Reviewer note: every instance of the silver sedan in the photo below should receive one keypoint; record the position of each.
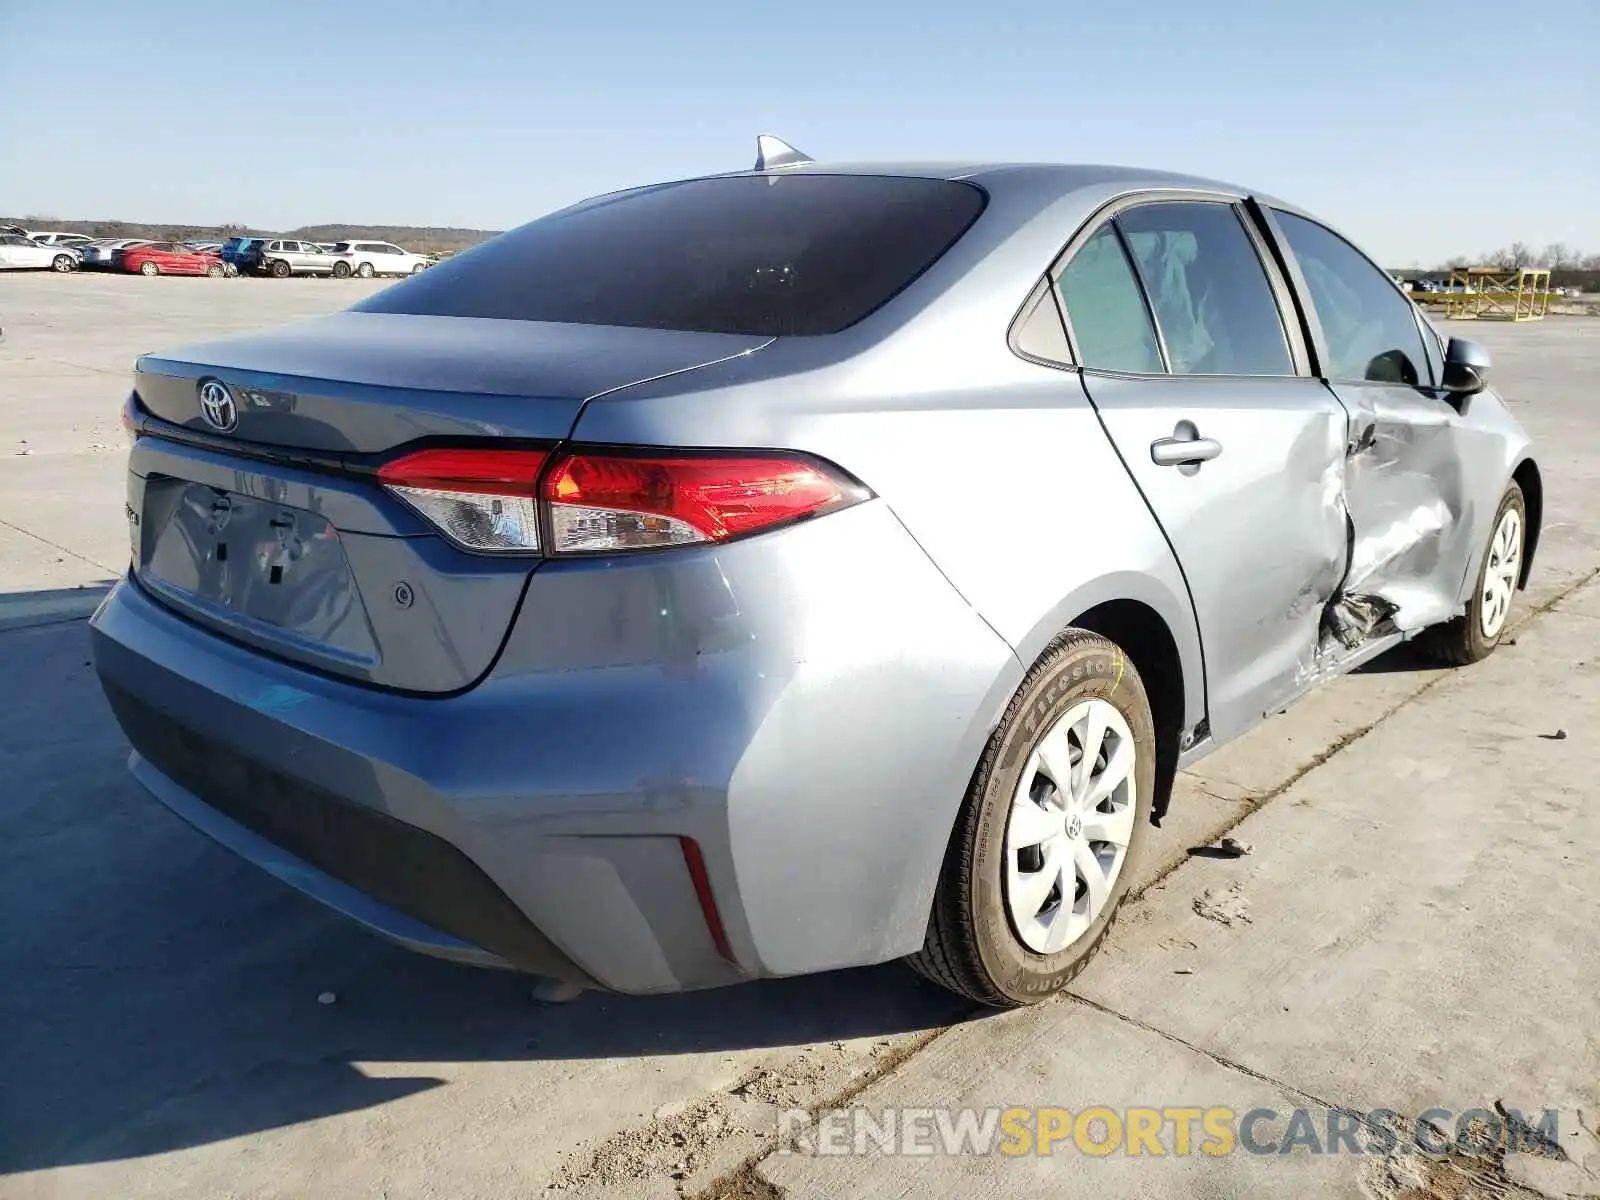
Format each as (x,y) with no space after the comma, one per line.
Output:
(794,569)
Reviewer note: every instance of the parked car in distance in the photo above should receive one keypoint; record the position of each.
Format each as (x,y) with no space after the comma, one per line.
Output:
(794,569)
(240,252)
(19,253)
(46,238)
(367,259)
(283,257)
(102,253)
(169,258)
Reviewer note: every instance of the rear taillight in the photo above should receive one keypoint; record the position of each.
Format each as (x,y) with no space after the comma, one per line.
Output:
(604,502)
(609,502)
(480,499)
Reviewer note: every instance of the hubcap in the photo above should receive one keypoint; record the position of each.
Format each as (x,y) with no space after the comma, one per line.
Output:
(1070,824)
(1500,575)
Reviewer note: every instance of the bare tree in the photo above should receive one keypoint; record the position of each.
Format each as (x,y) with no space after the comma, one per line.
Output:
(1456,263)
(1519,254)
(1591,262)
(1558,255)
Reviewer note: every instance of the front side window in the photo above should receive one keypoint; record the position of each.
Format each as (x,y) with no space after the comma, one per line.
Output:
(763,255)
(1211,294)
(1111,328)
(1369,327)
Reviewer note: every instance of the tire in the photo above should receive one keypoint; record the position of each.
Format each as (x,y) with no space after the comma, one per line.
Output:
(149,268)
(365,271)
(976,945)
(341,270)
(62,263)
(419,268)
(215,271)
(1473,636)
(279,269)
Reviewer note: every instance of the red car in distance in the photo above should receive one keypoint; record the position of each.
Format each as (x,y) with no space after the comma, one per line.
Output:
(170,258)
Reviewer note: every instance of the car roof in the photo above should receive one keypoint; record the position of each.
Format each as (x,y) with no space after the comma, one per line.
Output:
(1049,180)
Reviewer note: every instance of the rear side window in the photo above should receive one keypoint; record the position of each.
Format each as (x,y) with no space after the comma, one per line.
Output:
(766,255)
(1110,324)
(1369,327)
(1210,292)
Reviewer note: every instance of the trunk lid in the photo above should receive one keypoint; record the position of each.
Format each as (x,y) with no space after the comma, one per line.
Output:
(290,546)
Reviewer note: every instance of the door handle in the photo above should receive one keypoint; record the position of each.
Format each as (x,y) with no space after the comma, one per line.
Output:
(1185,448)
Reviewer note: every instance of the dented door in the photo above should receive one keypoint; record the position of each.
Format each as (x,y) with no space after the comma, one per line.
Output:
(1406,491)
(1259,529)
(1409,481)
(1239,453)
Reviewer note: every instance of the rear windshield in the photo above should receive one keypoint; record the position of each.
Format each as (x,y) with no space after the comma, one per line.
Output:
(340,247)
(761,255)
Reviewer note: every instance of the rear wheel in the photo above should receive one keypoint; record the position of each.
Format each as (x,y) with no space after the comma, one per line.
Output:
(279,269)
(62,262)
(215,271)
(1051,831)
(365,271)
(341,270)
(1473,636)
(149,268)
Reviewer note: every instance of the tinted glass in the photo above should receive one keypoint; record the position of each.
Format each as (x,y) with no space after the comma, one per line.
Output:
(764,255)
(340,247)
(1208,287)
(1110,324)
(1369,328)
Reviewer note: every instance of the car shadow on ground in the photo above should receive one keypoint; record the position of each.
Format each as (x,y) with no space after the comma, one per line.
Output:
(1402,659)
(158,993)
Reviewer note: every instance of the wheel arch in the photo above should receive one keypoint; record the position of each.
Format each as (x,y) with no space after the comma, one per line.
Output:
(1148,642)
(1526,476)
(1151,619)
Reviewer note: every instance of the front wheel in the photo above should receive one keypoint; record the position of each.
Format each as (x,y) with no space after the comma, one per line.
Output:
(1049,837)
(365,270)
(341,270)
(149,268)
(419,268)
(1473,636)
(62,262)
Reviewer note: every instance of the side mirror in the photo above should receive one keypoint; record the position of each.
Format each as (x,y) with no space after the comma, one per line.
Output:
(1466,367)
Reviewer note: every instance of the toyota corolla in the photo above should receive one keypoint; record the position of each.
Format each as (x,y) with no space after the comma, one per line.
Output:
(794,569)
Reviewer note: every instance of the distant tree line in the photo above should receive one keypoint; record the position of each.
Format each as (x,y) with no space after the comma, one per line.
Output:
(1568,266)
(425,239)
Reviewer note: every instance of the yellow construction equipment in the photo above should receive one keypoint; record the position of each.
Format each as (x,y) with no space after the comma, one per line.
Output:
(1498,293)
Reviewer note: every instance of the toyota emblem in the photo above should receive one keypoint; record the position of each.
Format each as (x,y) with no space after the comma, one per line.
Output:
(217,406)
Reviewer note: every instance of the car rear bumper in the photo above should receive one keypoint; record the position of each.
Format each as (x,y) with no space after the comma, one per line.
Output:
(802,709)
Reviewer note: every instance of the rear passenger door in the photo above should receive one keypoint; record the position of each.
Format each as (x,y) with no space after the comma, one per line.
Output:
(1411,472)
(1176,318)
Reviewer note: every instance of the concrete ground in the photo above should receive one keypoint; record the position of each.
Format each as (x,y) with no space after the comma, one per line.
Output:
(1413,929)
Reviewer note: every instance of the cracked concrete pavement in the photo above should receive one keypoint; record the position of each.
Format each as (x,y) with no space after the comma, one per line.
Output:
(1418,900)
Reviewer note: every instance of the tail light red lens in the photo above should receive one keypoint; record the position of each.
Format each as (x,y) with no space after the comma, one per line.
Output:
(482,500)
(601,503)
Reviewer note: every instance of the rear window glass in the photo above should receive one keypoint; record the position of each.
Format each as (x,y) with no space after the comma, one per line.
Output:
(340,247)
(762,255)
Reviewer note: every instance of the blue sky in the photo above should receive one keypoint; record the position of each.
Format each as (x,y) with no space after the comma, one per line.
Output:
(1398,120)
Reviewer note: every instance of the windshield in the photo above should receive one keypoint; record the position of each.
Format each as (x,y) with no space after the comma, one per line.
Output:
(763,255)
